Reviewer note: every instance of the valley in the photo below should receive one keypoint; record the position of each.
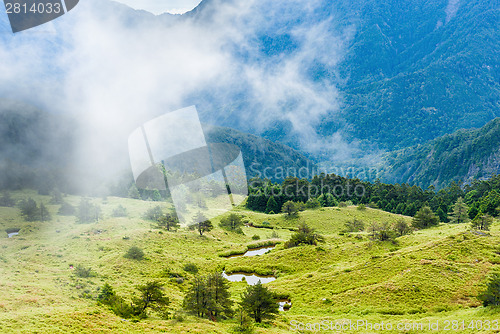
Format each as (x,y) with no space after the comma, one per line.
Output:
(431,274)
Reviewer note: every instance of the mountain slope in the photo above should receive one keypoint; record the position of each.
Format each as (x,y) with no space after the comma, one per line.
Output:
(462,157)
(316,76)
(407,71)
(417,73)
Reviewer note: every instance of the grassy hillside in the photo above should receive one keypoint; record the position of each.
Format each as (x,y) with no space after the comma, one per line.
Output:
(434,274)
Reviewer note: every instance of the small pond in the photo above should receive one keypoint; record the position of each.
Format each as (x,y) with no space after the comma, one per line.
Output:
(12,232)
(251,279)
(254,251)
(284,304)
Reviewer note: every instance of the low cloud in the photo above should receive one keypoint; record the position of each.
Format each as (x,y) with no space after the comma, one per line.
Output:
(113,71)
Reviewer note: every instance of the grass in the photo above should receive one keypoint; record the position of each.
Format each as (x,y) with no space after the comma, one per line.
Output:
(433,274)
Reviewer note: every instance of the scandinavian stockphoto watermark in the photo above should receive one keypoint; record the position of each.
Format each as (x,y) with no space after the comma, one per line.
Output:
(308,190)
(170,153)
(26,14)
(437,325)
(309,171)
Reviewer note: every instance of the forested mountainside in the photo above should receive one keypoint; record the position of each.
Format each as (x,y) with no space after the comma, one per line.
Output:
(463,156)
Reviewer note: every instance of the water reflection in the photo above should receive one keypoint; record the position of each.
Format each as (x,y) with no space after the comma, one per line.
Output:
(251,279)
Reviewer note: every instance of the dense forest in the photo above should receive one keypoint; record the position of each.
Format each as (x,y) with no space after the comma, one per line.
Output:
(332,190)
(462,156)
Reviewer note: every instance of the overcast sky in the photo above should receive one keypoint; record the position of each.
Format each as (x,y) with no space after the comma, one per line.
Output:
(162,6)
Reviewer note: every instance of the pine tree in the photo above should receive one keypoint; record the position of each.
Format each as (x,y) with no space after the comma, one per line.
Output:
(156,197)
(196,298)
(322,200)
(209,296)
(260,302)
(482,222)
(133,192)
(305,235)
(151,296)
(220,303)
(168,222)
(272,205)
(88,212)
(201,223)
(56,197)
(491,297)
(44,213)
(290,209)
(66,209)
(244,322)
(442,215)
(29,209)
(6,200)
(460,211)
(233,222)
(425,218)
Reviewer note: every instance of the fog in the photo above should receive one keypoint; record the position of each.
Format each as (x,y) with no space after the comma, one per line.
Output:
(112,69)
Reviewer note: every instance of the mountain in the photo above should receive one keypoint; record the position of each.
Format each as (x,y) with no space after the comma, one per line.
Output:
(463,156)
(332,79)
(420,69)
(262,157)
(406,71)
(36,147)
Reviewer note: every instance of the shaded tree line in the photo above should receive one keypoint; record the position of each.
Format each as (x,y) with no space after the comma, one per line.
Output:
(481,197)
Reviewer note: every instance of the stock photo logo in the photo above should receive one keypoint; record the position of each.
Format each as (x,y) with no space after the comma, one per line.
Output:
(170,154)
(26,14)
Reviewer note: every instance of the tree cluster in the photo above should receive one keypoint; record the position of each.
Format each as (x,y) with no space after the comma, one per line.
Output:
(331,190)
(151,296)
(31,211)
(209,297)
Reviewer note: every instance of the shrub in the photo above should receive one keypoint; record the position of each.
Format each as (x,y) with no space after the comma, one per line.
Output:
(87,212)
(313,203)
(134,253)
(66,209)
(255,237)
(300,206)
(120,211)
(304,236)
(425,218)
(274,235)
(6,200)
(233,223)
(290,209)
(402,228)
(83,272)
(342,204)
(361,207)
(381,232)
(153,213)
(191,268)
(354,225)
(116,303)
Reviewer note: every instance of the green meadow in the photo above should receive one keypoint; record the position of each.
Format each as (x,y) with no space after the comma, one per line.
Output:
(429,276)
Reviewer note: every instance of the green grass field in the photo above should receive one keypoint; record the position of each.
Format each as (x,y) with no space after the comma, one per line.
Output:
(432,275)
